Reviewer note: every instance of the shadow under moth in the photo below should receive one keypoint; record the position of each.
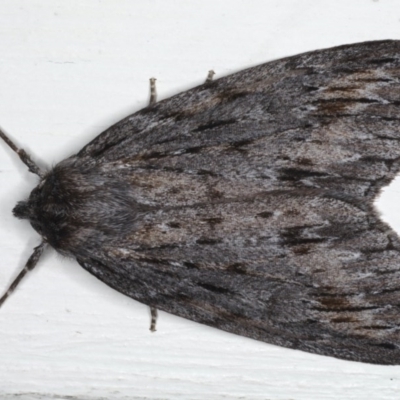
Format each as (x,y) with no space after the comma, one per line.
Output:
(246,203)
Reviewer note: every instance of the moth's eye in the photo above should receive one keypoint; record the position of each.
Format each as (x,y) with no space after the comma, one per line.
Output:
(22,210)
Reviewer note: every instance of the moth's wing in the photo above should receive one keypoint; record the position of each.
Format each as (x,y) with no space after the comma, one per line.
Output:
(259,191)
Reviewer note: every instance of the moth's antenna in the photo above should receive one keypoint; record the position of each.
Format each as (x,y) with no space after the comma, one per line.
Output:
(25,158)
(31,263)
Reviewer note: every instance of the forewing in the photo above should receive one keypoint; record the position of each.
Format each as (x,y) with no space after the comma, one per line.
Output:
(257,191)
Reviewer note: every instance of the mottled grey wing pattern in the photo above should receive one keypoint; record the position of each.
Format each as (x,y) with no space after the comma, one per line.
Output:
(251,203)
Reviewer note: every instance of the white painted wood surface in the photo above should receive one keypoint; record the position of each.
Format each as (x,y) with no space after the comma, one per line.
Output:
(69,69)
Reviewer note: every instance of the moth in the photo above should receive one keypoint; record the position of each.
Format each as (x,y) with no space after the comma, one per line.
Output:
(246,203)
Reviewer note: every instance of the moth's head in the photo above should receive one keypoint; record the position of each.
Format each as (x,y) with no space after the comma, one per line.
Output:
(50,207)
(27,209)
(32,209)
(22,210)
(46,208)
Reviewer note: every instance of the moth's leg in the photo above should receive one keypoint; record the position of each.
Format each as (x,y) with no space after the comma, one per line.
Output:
(210,76)
(154,313)
(153,100)
(153,91)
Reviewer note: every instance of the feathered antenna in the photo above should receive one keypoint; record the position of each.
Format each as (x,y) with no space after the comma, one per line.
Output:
(37,252)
